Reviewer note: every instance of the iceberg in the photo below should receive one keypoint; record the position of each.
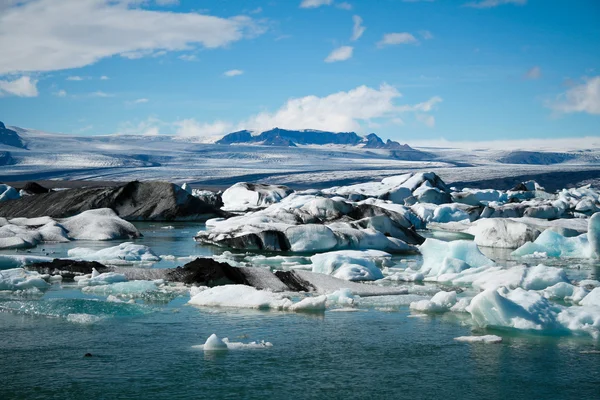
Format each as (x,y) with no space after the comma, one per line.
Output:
(21,279)
(240,296)
(440,257)
(502,232)
(439,303)
(352,265)
(125,253)
(553,244)
(479,339)
(8,193)
(247,196)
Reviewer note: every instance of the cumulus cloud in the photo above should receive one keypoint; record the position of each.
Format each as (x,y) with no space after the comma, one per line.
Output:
(74,78)
(21,87)
(233,72)
(358,29)
(340,54)
(191,127)
(534,73)
(494,3)
(391,39)
(315,3)
(104,78)
(48,35)
(584,98)
(342,111)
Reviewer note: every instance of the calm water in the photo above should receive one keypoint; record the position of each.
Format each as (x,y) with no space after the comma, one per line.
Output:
(144,350)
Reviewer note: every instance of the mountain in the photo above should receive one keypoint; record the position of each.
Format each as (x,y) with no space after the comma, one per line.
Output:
(291,138)
(9,137)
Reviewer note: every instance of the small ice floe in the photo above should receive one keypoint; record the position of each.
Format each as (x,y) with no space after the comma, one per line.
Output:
(84,319)
(20,279)
(309,304)
(352,265)
(241,296)
(439,303)
(125,253)
(492,339)
(214,343)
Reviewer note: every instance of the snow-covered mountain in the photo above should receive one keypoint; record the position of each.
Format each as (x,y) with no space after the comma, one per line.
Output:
(292,138)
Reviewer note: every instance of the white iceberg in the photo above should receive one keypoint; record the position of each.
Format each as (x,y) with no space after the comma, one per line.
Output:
(124,253)
(21,279)
(439,303)
(246,196)
(240,296)
(479,339)
(352,265)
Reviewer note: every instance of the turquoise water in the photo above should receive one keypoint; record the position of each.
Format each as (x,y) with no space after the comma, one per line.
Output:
(145,350)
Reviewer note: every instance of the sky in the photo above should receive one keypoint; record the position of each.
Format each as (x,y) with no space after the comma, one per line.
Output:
(457,70)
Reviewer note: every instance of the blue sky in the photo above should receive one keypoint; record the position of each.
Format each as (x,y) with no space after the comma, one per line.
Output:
(407,70)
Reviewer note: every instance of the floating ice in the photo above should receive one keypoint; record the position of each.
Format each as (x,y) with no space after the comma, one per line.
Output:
(351,265)
(21,279)
(125,253)
(129,289)
(99,224)
(566,292)
(479,339)
(246,196)
(440,257)
(592,299)
(553,244)
(214,343)
(502,232)
(317,303)
(343,297)
(594,235)
(8,193)
(83,318)
(101,279)
(439,303)
(240,296)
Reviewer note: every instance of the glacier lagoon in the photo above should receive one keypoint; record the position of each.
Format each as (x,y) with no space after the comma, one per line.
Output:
(379,348)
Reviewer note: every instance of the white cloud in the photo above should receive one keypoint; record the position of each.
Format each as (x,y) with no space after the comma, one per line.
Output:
(61,93)
(426,35)
(534,73)
(100,93)
(315,3)
(390,39)
(74,78)
(340,54)
(167,2)
(191,127)
(188,57)
(48,35)
(358,29)
(583,98)
(104,78)
(428,120)
(140,101)
(149,127)
(233,72)
(494,3)
(342,111)
(21,87)
(344,6)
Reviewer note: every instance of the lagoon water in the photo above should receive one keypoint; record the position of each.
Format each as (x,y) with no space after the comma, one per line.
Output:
(145,350)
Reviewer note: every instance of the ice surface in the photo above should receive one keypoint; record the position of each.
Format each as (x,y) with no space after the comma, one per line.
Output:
(594,235)
(247,196)
(553,244)
(240,296)
(592,299)
(8,193)
(479,339)
(21,279)
(124,253)
(566,292)
(317,303)
(214,343)
(98,224)
(101,279)
(439,303)
(343,297)
(459,255)
(501,232)
(352,265)
(127,289)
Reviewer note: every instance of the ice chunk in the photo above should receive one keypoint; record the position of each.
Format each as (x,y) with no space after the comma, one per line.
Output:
(592,299)
(213,343)
(240,296)
(21,279)
(310,304)
(519,309)
(245,196)
(98,224)
(501,232)
(479,339)
(125,253)
(102,279)
(83,318)
(541,277)
(439,303)
(554,244)
(342,297)
(351,265)
(303,238)
(8,193)
(594,235)
(566,292)
(435,251)
(129,289)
